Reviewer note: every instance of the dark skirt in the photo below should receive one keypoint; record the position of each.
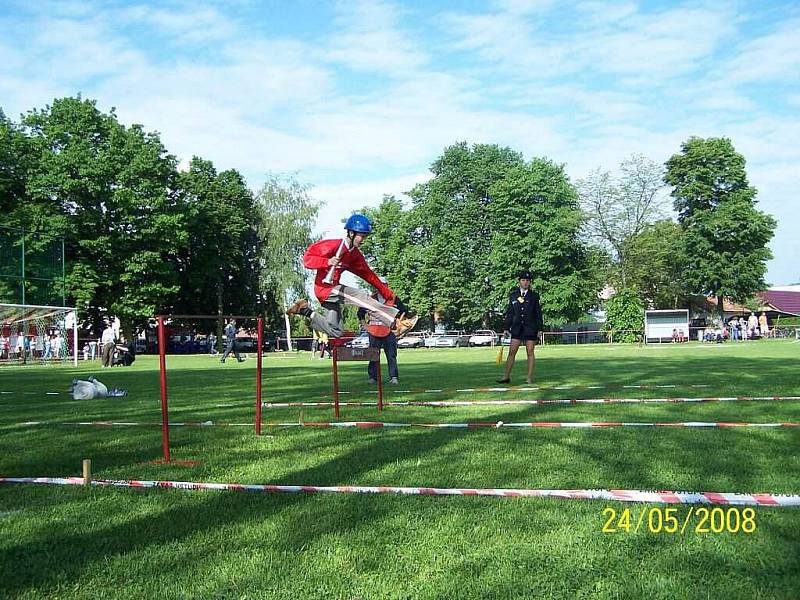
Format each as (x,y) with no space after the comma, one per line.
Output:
(525,338)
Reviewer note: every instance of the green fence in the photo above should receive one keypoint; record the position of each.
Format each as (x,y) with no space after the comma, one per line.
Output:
(31,268)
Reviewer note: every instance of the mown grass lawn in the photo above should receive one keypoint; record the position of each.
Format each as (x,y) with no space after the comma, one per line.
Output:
(122,543)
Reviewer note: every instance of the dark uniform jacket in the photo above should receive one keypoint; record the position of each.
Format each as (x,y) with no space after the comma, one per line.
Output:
(524,315)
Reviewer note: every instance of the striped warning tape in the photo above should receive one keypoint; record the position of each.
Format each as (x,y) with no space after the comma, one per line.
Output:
(382,424)
(656,497)
(465,390)
(136,424)
(526,388)
(461,403)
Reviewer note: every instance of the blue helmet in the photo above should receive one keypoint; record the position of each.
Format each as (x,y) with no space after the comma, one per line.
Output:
(359,224)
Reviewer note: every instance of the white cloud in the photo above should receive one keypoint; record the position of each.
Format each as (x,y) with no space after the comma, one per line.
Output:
(371,40)
(376,97)
(773,56)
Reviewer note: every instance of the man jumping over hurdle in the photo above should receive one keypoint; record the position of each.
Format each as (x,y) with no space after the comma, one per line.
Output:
(329,258)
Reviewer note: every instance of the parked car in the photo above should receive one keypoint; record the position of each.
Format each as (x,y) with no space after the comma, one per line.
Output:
(430,341)
(452,339)
(360,341)
(414,339)
(484,337)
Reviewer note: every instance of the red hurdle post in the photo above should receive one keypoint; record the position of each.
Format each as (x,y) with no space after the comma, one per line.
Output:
(380,383)
(260,342)
(335,380)
(162,356)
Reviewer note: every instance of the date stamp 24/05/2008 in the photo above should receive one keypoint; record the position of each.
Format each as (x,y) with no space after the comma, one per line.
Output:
(668,520)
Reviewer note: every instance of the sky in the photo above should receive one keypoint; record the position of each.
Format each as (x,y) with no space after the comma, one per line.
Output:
(358,98)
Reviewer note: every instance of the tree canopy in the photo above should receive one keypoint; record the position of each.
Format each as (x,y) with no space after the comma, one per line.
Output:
(483,216)
(725,236)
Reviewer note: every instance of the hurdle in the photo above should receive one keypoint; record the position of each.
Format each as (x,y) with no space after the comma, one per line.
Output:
(162,359)
(344,353)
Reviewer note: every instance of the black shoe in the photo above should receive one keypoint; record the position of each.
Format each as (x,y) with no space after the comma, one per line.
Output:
(240,360)
(507,380)
(222,360)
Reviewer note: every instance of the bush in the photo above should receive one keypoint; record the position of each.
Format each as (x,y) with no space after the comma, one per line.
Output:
(625,312)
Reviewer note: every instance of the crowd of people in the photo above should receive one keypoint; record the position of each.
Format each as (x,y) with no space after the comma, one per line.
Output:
(48,345)
(739,329)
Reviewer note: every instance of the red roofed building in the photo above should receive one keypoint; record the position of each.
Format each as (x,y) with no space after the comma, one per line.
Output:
(781,301)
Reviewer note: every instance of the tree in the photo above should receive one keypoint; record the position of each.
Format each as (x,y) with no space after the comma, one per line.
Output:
(14,164)
(536,222)
(625,316)
(655,264)
(725,236)
(620,208)
(483,216)
(218,267)
(107,189)
(286,215)
(450,229)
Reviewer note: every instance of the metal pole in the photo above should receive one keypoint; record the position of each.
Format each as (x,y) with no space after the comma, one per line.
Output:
(335,368)
(75,336)
(380,381)
(23,267)
(260,342)
(64,276)
(162,356)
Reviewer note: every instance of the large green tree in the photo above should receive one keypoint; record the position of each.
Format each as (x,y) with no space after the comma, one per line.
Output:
(286,214)
(484,215)
(655,264)
(725,236)
(619,208)
(107,189)
(219,270)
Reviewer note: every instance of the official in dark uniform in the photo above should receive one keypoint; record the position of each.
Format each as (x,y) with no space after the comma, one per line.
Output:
(523,323)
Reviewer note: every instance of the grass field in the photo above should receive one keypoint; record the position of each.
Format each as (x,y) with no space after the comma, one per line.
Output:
(74,542)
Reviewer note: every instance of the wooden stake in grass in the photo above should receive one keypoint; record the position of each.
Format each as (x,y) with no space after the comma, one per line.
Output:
(87,471)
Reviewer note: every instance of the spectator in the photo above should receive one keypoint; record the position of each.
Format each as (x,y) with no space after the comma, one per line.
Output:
(733,324)
(93,349)
(674,335)
(108,341)
(5,349)
(56,345)
(743,327)
(18,347)
(230,340)
(86,351)
(324,345)
(752,325)
(763,324)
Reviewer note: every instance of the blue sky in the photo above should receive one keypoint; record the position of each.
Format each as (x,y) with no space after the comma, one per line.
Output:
(358,98)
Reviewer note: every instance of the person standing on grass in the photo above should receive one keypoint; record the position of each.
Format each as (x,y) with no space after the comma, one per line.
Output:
(230,341)
(109,342)
(763,325)
(329,258)
(381,337)
(523,324)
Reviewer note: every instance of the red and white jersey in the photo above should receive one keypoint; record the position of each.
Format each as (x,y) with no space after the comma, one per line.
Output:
(316,257)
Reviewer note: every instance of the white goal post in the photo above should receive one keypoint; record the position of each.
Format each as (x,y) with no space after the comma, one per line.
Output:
(660,324)
(42,333)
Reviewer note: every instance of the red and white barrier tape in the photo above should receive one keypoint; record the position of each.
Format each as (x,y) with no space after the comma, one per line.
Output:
(381,424)
(532,388)
(461,403)
(659,497)
(469,390)
(534,424)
